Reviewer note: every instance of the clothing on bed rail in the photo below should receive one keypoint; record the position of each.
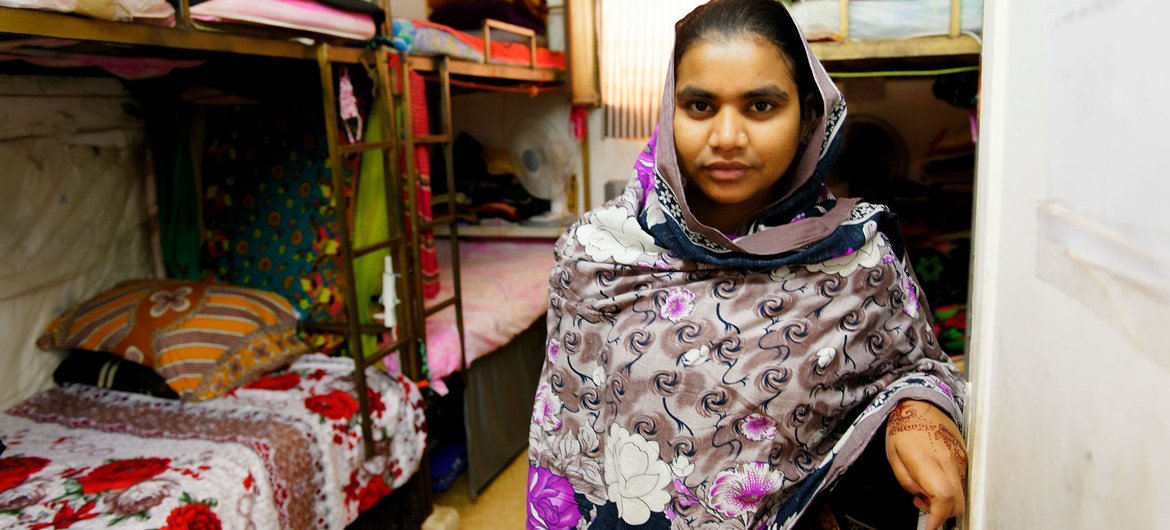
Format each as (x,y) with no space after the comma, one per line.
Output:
(284,451)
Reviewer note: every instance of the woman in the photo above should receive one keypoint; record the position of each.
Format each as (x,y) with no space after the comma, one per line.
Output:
(727,339)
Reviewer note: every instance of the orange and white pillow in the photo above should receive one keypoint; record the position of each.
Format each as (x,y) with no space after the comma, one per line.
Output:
(204,338)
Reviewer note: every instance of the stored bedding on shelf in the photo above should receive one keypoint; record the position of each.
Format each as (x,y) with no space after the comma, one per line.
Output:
(301,15)
(885,19)
(420,37)
(157,12)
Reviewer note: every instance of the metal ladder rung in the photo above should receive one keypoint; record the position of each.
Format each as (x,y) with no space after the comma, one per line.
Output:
(432,139)
(374,247)
(342,327)
(440,306)
(349,149)
(445,220)
(386,350)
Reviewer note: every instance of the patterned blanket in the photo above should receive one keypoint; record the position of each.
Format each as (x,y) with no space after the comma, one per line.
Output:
(285,451)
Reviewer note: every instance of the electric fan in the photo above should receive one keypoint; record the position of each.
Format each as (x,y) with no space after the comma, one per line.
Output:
(544,157)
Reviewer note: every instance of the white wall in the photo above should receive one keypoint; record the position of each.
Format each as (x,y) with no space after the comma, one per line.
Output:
(1069,427)
(416,9)
(609,158)
(72,211)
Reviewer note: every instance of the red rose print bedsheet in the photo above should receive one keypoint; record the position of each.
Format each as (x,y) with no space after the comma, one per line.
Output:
(283,452)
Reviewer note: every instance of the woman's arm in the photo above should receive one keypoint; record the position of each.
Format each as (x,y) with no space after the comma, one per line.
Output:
(927,455)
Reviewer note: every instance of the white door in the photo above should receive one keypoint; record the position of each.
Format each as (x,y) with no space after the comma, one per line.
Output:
(1070,352)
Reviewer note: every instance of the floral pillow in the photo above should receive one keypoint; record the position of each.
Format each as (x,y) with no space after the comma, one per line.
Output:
(204,338)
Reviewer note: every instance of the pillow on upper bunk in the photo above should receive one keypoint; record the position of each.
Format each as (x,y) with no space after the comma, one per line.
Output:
(105,370)
(204,338)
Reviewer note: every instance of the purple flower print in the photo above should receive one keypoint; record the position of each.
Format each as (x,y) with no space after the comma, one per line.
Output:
(554,349)
(910,305)
(546,411)
(945,388)
(757,427)
(678,304)
(551,501)
(847,252)
(741,490)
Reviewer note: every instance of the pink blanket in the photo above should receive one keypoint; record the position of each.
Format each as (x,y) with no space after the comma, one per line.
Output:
(505,289)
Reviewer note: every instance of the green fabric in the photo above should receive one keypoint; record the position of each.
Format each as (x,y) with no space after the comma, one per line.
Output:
(177,199)
(371,224)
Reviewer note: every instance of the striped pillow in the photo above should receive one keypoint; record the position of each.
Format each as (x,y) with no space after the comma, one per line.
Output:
(204,338)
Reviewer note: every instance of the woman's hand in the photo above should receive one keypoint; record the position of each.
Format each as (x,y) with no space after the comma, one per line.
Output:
(929,459)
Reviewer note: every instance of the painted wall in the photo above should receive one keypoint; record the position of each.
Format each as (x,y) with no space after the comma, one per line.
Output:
(73,211)
(409,8)
(1069,426)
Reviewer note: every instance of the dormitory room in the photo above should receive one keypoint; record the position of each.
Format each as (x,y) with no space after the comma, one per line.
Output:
(583,264)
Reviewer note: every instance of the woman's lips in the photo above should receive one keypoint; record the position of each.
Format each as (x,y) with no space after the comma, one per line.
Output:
(727,170)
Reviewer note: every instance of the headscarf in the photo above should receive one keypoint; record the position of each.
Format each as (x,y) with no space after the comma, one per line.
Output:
(805,225)
(695,381)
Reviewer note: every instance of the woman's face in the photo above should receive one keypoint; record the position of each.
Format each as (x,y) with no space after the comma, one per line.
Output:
(737,125)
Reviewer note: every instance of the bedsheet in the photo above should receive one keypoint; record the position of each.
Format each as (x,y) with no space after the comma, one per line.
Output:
(885,19)
(505,289)
(300,15)
(421,37)
(154,12)
(285,449)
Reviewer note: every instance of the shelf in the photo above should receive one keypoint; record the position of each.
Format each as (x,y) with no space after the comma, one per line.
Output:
(506,231)
(896,48)
(32,23)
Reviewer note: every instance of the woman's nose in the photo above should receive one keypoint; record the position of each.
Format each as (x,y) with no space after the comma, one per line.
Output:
(727,132)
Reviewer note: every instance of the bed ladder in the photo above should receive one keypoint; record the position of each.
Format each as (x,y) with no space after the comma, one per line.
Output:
(397,242)
(445,138)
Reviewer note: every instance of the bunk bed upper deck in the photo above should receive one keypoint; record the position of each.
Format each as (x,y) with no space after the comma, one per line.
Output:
(120,38)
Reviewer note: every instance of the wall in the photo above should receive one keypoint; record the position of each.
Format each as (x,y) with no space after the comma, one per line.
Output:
(409,9)
(73,211)
(1069,368)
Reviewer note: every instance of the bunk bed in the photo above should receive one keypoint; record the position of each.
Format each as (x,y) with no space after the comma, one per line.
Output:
(324,443)
(500,66)
(485,324)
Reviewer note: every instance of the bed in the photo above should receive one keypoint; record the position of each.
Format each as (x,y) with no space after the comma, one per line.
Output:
(505,290)
(505,298)
(285,448)
(424,38)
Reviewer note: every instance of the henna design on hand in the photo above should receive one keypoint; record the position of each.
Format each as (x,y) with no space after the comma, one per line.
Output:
(956,447)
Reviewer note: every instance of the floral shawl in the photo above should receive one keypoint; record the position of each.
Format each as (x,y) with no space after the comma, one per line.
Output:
(698,382)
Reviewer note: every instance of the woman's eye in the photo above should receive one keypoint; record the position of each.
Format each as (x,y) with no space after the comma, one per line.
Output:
(700,106)
(762,106)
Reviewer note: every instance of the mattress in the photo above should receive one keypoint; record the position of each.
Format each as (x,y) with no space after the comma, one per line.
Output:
(885,19)
(154,12)
(505,290)
(299,15)
(420,37)
(285,450)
